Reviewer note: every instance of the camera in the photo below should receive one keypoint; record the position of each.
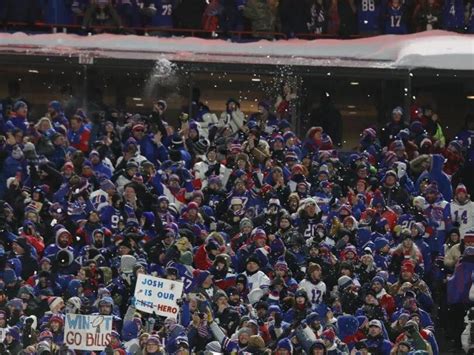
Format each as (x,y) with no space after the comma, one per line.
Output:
(43,348)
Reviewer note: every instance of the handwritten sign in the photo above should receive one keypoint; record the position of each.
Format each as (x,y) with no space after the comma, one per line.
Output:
(157,295)
(87,332)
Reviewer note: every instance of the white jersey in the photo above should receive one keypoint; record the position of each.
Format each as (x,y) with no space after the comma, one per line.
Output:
(462,215)
(315,292)
(257,280)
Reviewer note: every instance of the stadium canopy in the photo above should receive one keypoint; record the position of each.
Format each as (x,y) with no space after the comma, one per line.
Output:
(437,50)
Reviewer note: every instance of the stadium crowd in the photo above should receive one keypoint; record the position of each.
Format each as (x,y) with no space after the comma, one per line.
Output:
(284,244)
(292,18)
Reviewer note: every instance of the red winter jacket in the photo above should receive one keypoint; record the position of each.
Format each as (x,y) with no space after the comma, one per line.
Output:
(201,260)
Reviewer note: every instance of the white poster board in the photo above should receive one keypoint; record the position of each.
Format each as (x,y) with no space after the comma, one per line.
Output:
(157,295)
(87,332)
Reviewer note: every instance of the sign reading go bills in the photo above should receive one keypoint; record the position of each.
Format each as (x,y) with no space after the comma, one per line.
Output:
(156,295)
(86,332)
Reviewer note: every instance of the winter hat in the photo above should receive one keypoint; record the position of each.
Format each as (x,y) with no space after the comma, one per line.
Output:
(329,335)
(456,145)
(416,127)
(285,344)
(397,110)
(310,201)
(274,201)
(16,303)
(127,262)
(235,147)
(375,323)
(29,150)
(287,135)
(426,141)
(469,236)
(232,291)
(54,302)
(408,266)
(278,137)
(390,173)
(56,318)
(313,317)
(73,305)
(259,233)
(283,124)
(241,278)
(461,188)
(26,289)
(378,279)
(9,276)
(301,292)
(274,308)
(246,222)
(344,281)
(291,156)
(412,323)
(432,188)
(19,104)
(253,258)
(23,243)
(397,145)
(14,332)
(177,140)
(56,106)
(186,258)
(318,345)
(419,227)
(201,276)
(235,201)
(281,264)
(369,132)
(106,184)
(378,199)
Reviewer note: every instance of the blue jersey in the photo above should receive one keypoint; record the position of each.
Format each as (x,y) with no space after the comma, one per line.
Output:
(111,217)
(164,13)
(59,12)
(395,21)
(453,15)
(368,15)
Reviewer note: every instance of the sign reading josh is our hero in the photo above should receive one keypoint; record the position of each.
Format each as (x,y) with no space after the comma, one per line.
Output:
(156,295)
(86,332)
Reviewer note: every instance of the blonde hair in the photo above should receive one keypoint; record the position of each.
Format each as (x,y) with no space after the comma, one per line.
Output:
(41,121)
